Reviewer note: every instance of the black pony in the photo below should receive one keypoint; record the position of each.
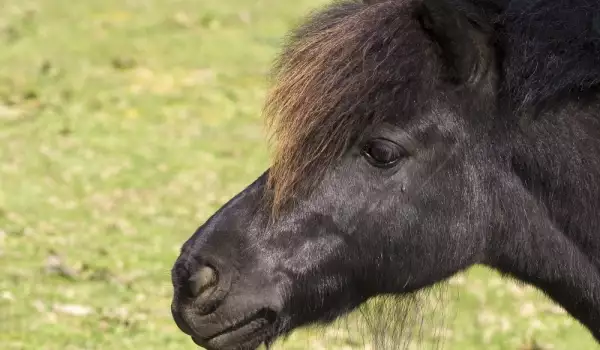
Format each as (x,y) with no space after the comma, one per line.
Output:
(412,139)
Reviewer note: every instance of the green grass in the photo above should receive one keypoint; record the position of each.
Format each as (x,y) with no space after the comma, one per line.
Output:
(124,125)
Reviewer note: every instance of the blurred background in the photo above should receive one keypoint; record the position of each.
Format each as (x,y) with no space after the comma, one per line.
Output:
(123,125)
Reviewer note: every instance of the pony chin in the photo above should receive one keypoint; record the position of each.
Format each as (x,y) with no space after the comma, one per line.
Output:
(396,321)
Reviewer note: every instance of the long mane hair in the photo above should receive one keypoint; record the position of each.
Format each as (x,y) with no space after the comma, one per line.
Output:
(328,86)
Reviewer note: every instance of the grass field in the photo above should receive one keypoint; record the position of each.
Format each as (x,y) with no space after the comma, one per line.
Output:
(123,125)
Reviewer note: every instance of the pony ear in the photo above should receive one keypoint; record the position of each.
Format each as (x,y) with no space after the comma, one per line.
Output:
(463,35)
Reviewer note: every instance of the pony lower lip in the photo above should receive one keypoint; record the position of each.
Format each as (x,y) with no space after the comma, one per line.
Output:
(247,332)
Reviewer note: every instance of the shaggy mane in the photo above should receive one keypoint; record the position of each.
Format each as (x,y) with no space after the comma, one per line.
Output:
(329,86)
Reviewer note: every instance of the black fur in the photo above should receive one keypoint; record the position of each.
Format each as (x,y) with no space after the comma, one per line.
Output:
(552,51)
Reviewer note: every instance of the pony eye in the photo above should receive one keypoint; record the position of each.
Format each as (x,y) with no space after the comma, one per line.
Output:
(382,153)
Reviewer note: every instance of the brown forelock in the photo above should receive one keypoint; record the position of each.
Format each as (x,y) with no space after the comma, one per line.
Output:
(346,68)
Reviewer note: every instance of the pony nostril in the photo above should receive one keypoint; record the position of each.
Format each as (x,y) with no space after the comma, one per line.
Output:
(202,280)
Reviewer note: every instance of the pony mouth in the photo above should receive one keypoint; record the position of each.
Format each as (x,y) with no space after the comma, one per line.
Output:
(247,334)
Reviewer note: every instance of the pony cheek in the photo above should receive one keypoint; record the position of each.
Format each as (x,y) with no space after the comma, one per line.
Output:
(311,256)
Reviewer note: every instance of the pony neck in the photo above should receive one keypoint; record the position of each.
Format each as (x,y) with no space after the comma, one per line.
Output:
(528,245)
